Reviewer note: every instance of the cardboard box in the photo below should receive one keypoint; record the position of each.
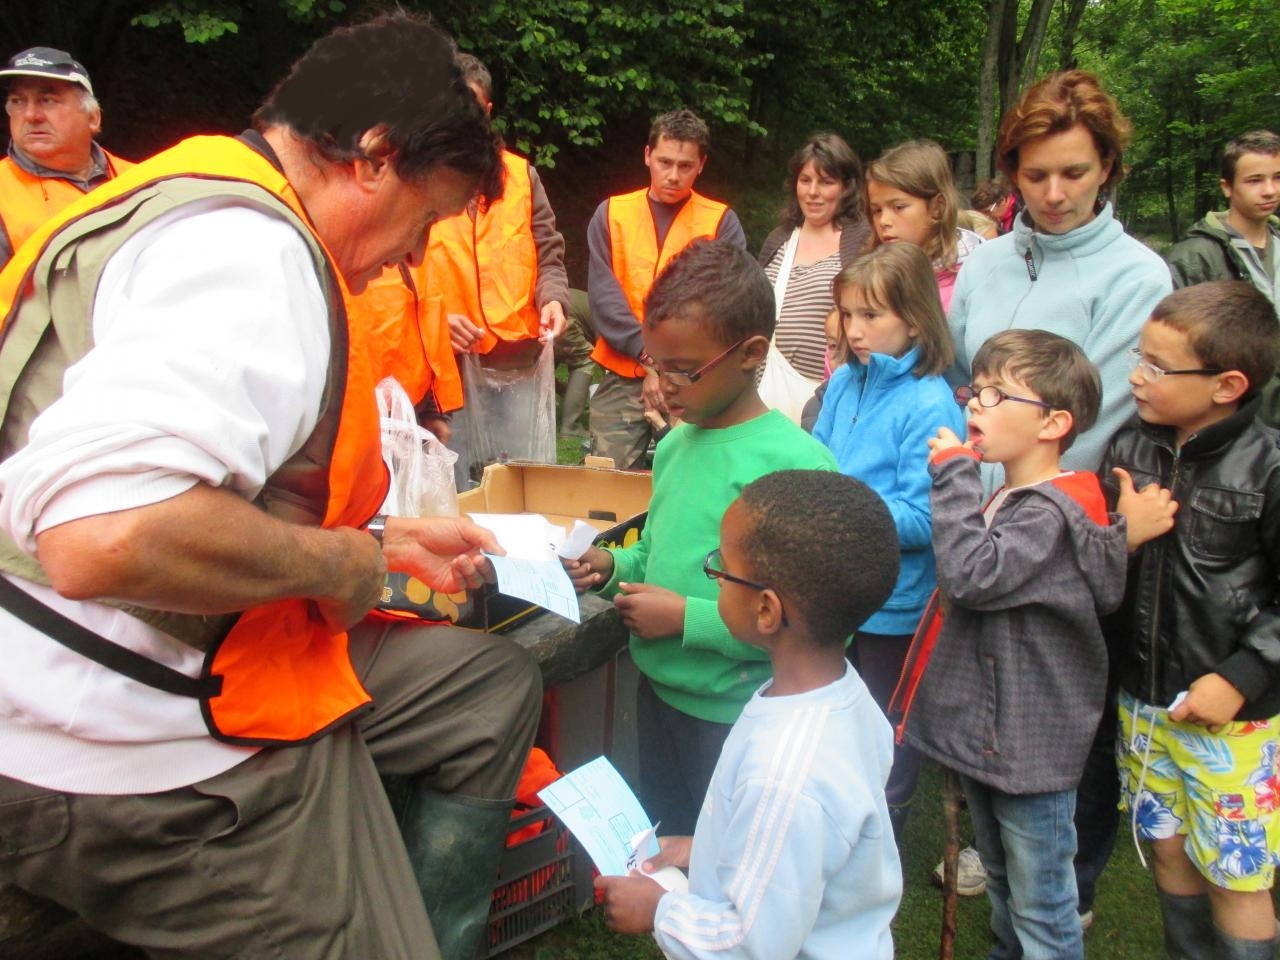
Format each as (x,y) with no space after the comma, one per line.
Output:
(613,501)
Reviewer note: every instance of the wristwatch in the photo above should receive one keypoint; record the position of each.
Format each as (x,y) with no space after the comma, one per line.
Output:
(377,527)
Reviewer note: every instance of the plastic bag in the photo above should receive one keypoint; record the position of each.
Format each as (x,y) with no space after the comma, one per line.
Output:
(421,466)
(510,411)
(784,388)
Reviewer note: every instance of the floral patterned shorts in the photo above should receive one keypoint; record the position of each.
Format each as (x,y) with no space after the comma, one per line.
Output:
(1219,790)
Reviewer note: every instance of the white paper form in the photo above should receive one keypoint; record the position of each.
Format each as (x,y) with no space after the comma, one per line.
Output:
(596,804)
(531,570)
(543,582)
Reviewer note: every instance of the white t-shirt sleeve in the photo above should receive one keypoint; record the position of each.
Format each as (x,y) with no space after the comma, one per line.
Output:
(211,346)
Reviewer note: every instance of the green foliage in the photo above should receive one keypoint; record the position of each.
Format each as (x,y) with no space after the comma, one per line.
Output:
(202,22)
(1191,74)
(563,69)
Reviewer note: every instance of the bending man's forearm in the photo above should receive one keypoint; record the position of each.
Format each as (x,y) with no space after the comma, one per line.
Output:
(205,551)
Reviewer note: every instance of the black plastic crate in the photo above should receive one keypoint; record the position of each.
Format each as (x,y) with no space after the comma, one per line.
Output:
(536,886)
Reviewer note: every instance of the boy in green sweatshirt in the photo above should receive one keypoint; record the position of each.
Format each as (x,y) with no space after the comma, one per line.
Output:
(708,321)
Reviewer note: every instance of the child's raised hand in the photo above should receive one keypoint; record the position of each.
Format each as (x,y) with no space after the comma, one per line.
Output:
(590,570)
(1148,512)
(650,612)
(1211,701)
(629,902)
(945,440)
(674,852)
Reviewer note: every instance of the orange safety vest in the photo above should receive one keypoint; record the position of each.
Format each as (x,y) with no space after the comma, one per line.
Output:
(486,267)
(637,260)
(27,200)
(410,336)
(279,676)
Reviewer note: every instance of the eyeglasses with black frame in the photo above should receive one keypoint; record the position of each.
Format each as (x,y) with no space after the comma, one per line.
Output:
(713,567)
(1151,373)
(681,378)
(992,396)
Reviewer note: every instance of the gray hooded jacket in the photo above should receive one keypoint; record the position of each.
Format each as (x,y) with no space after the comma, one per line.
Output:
(1016,684)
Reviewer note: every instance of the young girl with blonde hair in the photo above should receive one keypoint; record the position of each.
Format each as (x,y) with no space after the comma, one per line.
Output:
(911,198)
(884,401)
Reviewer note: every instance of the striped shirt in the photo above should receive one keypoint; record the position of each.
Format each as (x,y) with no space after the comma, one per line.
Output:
(799,335)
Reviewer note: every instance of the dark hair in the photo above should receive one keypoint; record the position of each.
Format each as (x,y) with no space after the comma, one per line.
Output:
(719,283)
(922,169)
(830,156)
(1255,141)
(1229,324)
(681,125)
(1055,105)
(395,76)
(899,277)
(819,539)
(474,71)
(1053,366)
(987,193)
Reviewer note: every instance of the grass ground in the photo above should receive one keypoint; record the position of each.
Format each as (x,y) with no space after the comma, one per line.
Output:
(1126,926)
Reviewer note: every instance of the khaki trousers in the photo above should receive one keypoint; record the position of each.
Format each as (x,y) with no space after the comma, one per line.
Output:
(295,852)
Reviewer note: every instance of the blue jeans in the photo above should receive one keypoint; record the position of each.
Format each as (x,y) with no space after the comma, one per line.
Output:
(1027,843)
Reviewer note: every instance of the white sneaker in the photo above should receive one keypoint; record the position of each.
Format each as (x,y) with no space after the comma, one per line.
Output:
(971,876)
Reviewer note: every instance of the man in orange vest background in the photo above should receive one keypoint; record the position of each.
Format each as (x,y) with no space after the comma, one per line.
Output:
(53,159)
(630,239)
(195,713)
(499,271)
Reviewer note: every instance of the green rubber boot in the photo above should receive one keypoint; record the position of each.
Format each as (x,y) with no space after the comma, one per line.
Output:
(573,412)
(1188,926)
(455,845)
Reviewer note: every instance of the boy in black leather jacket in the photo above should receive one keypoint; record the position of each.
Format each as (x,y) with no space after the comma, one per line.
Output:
(1197,640)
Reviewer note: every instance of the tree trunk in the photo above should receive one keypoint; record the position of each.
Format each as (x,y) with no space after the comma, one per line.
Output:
(1070,23)
(1029,47)
(1170,187)
(989,91)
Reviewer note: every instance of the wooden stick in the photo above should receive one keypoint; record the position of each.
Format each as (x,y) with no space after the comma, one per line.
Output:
(950,857)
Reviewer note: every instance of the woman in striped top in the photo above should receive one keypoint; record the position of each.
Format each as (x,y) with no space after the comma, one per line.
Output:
(821,229)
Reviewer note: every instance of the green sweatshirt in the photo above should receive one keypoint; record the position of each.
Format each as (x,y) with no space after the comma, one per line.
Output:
(696,475)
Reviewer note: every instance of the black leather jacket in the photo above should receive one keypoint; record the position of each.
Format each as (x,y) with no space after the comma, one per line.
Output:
(1204,598)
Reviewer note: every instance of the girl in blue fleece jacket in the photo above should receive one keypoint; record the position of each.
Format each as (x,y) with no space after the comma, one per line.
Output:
(885,399)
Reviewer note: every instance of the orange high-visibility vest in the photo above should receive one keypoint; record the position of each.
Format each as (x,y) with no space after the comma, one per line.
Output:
(409,334)
(486,267)
(279,675)
(27,201)
(637,261)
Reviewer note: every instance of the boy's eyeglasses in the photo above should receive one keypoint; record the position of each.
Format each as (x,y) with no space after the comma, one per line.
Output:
(681,378)
(713,567)
(992,396)
(1151,373)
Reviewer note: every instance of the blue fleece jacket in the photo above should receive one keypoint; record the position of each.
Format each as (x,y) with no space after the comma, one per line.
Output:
(1094,285)
(877,420)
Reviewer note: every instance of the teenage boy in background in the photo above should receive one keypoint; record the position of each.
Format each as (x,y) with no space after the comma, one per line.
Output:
(1242,243)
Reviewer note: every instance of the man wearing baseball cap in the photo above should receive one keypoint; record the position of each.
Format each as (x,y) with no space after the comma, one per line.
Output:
(53,159)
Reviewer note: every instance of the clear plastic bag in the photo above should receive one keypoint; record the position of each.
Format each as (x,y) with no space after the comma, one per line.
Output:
(421,466)
(510,410)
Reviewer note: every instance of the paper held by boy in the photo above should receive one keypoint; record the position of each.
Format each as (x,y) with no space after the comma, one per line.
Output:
(532,570)
(605,816)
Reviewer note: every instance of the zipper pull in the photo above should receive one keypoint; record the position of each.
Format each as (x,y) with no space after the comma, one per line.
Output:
(1031,264)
